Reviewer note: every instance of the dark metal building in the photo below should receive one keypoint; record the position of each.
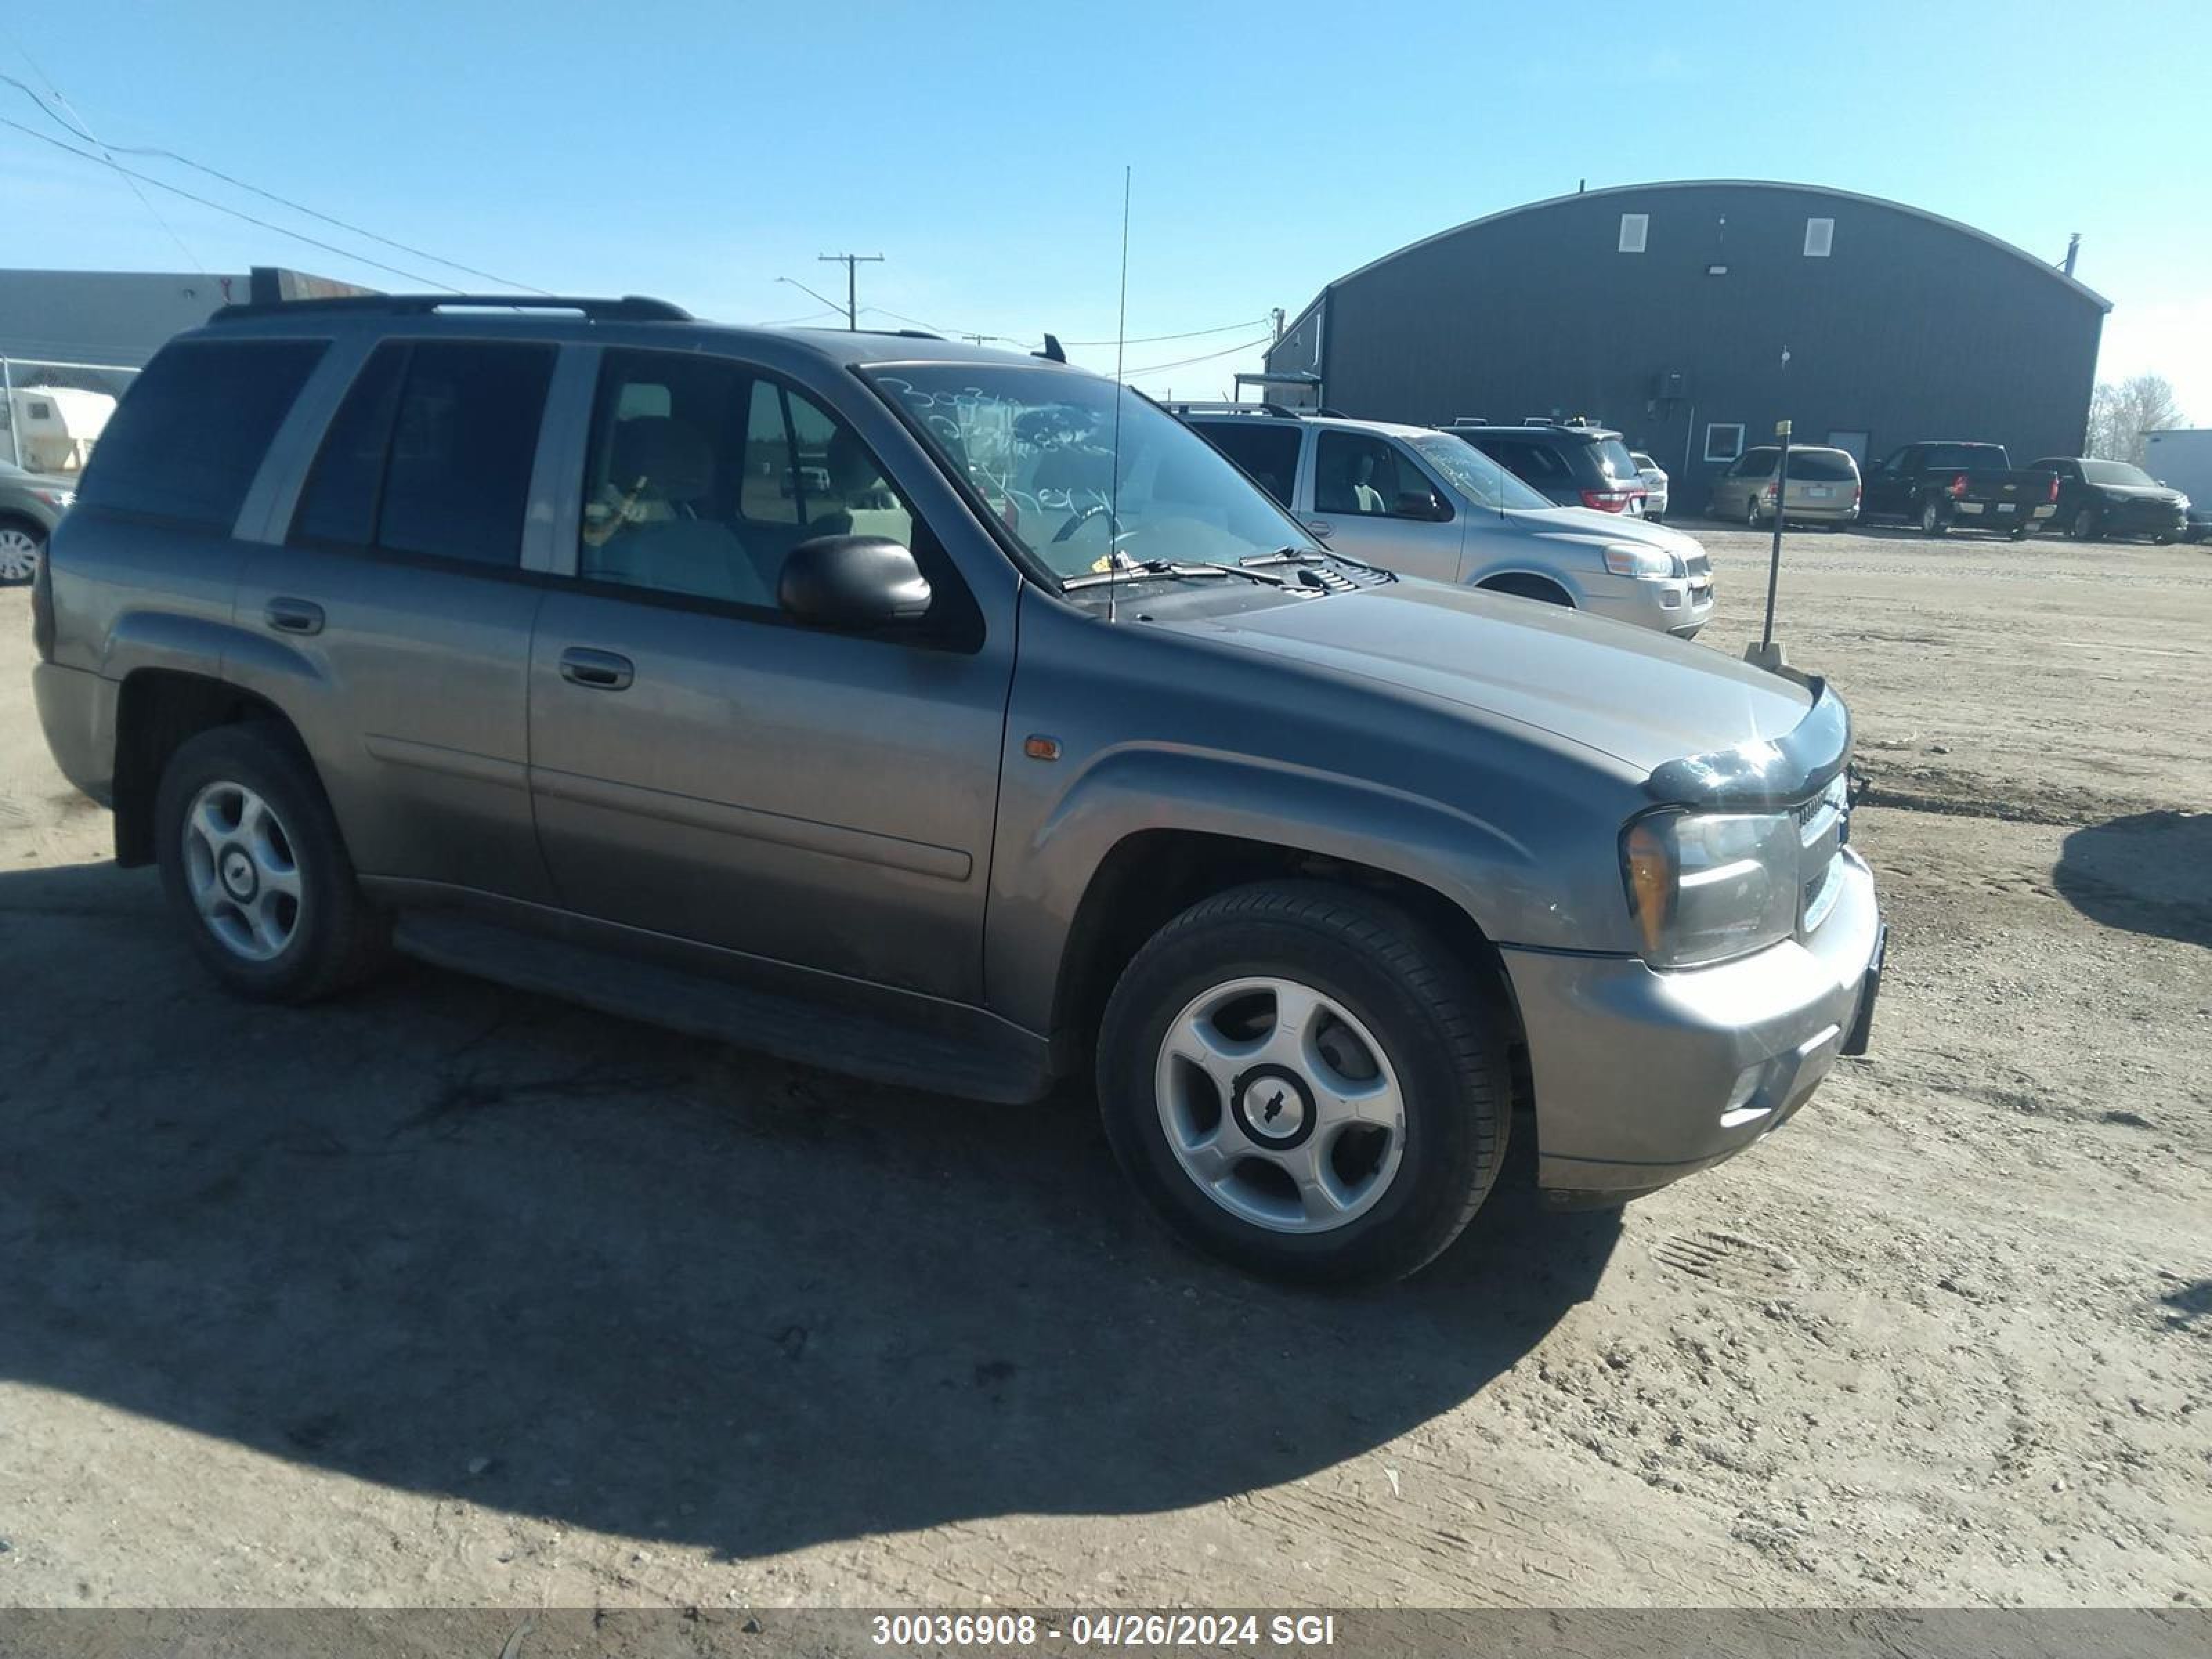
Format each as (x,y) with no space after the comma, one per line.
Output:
(1693,316)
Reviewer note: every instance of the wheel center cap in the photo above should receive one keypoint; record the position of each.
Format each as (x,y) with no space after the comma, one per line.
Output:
(238,877)
(1273,1107)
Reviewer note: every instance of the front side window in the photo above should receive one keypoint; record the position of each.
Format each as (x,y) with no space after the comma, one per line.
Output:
(431,451)
(188,437)
(1477,475)
(703,474)
(1724,443)
(1077,469)
(1358,473)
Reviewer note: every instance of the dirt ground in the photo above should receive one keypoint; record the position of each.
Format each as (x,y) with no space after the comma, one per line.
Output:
(445,1294)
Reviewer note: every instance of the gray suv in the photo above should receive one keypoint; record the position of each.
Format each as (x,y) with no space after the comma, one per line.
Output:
(951,717)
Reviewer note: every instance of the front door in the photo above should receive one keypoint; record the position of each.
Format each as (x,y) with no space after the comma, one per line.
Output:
(704,768)
(1372,501)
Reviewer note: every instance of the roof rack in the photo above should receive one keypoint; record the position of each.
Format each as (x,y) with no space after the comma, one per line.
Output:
(630,308)
(1277,411)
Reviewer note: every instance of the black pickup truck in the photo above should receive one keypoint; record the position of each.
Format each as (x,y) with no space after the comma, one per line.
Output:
(1975,486)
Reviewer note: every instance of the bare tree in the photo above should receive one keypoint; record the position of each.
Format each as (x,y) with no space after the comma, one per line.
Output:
(2121,412)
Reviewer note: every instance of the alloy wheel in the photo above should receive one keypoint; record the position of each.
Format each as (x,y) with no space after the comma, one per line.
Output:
(242,871)
(1280,1105)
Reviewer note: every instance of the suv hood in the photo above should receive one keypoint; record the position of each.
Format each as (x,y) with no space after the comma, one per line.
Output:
(1640,697)
(1586,524)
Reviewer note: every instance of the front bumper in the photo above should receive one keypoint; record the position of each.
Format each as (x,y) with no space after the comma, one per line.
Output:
(1642,1078)
(1673,604)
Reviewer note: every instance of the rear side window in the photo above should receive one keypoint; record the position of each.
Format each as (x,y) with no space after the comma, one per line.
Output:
(190,435)
(431,453)
(1538,463)
(1269,452)
(1962,458)
(1757,462)
(1822,465)
(1614,460)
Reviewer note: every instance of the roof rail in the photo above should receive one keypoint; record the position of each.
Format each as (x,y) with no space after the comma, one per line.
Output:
(1277,411)
(630,308)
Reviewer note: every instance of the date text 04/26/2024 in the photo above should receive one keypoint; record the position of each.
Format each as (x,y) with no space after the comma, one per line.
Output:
(1105,1630)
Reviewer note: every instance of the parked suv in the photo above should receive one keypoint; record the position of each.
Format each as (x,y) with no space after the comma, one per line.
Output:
(1034,742)
(1572,463)
(1422,503)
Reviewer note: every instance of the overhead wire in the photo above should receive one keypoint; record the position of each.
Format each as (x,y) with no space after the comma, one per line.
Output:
(109,151)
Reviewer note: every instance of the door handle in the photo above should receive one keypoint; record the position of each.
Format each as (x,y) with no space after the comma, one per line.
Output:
(596,671)
(292,616)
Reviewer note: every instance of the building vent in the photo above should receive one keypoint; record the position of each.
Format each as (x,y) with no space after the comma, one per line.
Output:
(1634,227)
(1819,237)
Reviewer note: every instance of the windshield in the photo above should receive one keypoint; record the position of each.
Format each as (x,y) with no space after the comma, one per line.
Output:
(1038,446)
(1476,476)
(2115,472)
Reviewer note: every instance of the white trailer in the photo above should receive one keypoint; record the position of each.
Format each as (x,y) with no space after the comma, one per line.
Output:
(2181,458)
(53,427)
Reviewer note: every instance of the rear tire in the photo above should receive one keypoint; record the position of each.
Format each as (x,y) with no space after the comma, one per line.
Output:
(1932,521)
(1299,1077)
(2084,526)
(1751,513)
(254,867)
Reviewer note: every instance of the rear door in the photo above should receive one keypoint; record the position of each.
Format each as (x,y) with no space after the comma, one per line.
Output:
(1374,501)
(704,768)
(1266,448)
(397,610)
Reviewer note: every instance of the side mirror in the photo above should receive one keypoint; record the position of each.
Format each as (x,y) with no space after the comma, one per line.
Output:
(856,582)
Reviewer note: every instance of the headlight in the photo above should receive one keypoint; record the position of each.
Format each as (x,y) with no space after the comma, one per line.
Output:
(1626,559)
(1704,887)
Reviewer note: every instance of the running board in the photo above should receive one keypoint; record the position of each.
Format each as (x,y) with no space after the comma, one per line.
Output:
(984,1058)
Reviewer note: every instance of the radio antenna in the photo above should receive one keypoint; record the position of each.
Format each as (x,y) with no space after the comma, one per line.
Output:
(1120,392)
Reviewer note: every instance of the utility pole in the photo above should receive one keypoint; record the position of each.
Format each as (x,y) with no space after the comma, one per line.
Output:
(1279,323)
(851,262)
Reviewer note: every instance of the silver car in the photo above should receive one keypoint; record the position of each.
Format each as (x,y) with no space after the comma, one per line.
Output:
(1429,503)
(949,717)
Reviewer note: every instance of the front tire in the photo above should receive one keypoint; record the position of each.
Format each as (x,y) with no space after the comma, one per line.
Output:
(253,867)
(1299,1077)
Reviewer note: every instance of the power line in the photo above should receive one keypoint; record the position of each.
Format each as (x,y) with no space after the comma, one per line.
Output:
(1155,339)
(269,195)
(85,133)
(235,213)
(1184,362)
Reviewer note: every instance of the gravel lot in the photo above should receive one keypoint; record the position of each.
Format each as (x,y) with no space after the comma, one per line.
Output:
(450,1295)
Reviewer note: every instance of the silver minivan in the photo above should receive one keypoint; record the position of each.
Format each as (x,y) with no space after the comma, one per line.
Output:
(1427,503)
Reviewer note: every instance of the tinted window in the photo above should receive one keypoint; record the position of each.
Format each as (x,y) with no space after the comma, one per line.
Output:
(1757,462)
(1269,451)
(1963,457)
(1534,462)
(703,474)
(1614,460)
(1356,473)
(465,436)
(339,503)
(190,434)
(1822,465)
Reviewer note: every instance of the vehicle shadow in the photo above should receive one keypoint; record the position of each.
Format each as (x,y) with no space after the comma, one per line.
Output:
(2149,873)
(459,1240)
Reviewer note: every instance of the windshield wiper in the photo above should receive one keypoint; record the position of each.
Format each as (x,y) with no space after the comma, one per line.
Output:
(1136,567)
(1307,556)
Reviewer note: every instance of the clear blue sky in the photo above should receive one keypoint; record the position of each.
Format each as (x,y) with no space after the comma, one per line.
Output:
(701,151)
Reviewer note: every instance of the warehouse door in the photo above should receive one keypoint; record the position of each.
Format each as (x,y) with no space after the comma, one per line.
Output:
(1854,441)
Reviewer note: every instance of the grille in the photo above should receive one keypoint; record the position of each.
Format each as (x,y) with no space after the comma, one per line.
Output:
(1820,828)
